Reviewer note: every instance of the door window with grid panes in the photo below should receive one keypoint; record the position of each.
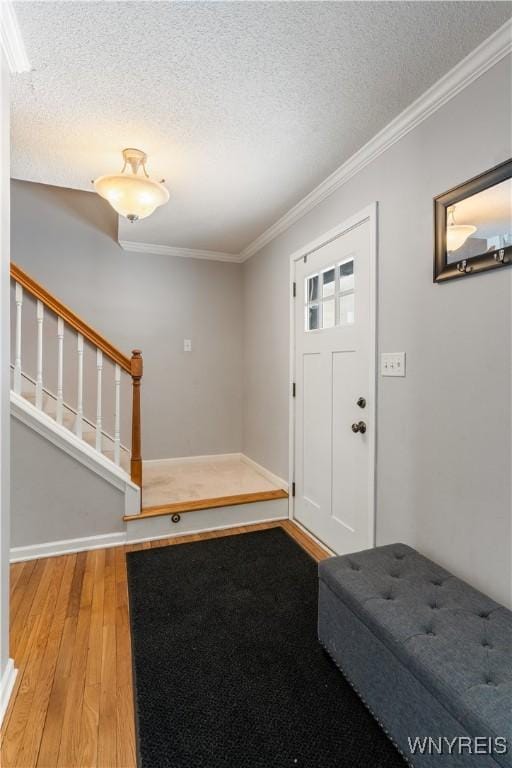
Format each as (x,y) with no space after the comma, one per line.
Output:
(330,297)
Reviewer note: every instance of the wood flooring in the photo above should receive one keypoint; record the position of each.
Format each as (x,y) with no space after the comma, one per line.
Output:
(72,706)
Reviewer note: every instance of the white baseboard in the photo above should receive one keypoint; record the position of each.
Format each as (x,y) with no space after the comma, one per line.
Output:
(67,546)
(70,546)
(107,540)
(275,479)
(178,535)
(7,686)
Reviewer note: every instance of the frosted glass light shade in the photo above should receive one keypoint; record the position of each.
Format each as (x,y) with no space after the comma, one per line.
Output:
(456,234)
(134,197)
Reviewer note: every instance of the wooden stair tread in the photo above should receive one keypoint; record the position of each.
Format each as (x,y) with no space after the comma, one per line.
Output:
(214,503)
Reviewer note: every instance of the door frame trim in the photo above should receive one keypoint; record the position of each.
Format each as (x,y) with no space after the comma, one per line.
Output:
(370,214)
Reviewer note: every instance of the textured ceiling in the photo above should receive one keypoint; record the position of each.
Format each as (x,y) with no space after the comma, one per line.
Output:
(243,107)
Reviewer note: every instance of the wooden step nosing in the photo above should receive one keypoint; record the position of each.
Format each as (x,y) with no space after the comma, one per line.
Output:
(196,505)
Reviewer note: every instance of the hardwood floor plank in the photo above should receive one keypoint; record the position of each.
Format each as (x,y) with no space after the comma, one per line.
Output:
(33,733)
(107,733)
(93,673)
(52,732)
(73,703)
(125,716)
(88,747)
(15,572)
(18,590)
(25,607)
(40,617)
(88,579)
(70,741)
(123,647)
(76,587)
(125,723)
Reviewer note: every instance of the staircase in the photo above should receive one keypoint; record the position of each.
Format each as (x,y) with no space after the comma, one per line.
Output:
(72,387)
(72,425)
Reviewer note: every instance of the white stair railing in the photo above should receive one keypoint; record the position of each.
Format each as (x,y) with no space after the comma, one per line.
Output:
(65,414)
(39,373)
(80,386)
(99,369)
(117,415)
(60,369)
(17,358)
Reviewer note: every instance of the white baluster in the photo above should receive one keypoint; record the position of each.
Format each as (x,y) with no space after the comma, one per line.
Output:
(117,416)
(17,353)
(39,370)
(99,368)
(60,369)
(80,387)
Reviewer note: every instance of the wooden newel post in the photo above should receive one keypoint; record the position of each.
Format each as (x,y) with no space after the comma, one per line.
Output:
(136,460)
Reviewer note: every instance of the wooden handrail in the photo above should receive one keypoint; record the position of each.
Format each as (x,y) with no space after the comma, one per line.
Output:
(136,456)
(61,310)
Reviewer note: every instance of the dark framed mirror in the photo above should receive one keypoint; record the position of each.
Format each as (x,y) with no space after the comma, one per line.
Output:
(473,225)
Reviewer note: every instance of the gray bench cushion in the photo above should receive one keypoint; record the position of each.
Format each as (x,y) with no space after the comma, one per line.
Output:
(454,639)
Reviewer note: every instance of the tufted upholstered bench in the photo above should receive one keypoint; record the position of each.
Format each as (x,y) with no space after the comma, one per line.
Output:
(428,654)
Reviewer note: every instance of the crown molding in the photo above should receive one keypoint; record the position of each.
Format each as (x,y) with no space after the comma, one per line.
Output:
(463,74)
(11,39)
(184,253)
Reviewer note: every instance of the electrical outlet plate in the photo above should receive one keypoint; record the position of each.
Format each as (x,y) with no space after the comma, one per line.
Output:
(392,364)
(187,345)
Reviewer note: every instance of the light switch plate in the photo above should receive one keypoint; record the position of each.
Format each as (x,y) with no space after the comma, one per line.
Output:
(187,345)
(392,364)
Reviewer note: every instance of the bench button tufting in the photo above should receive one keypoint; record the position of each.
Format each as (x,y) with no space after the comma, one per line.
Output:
(486,644)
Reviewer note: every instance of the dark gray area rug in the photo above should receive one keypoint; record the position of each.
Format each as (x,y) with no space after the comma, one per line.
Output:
(228,668)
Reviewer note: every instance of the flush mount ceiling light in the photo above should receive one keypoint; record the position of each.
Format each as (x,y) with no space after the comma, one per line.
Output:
(456,234)
(132,194)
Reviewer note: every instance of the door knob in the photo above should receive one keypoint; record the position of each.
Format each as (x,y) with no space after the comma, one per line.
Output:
(359,426)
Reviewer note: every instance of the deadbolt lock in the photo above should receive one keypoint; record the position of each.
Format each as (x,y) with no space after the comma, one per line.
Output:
(361,402)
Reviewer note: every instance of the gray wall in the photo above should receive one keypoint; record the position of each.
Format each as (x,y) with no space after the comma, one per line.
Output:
(191,402)
(49,508)
(444,431)
(4,365)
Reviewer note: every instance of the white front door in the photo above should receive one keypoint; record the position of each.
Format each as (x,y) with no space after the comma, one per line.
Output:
(334,311)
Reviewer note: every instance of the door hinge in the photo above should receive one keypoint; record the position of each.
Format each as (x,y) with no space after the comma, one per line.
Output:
(294,290)
(294,389)
(293,488)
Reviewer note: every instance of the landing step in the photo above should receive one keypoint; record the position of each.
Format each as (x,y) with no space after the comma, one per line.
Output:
(198,504)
